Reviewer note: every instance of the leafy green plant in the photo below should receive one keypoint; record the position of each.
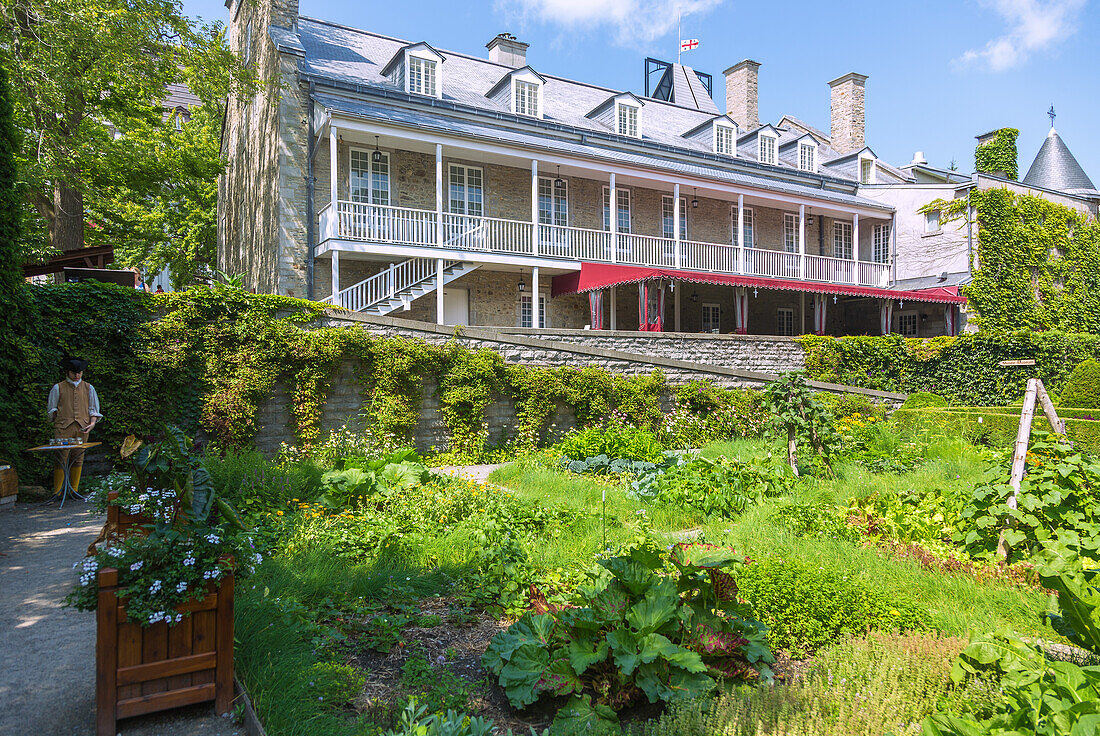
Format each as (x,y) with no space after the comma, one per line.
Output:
(721,487)
(807,606)
(816,520)
(1060,491)
(435,686)
(923,400)
(1082,388)
(798,416)
(416,721)
(363,479)
(603,465)
(637,633)
(615,439)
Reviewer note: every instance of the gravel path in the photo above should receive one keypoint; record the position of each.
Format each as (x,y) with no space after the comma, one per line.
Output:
(47,681)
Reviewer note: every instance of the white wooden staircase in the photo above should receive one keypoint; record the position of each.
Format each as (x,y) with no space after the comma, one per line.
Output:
(399,285)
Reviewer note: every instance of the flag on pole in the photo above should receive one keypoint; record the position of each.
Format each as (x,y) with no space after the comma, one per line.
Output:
(689,44)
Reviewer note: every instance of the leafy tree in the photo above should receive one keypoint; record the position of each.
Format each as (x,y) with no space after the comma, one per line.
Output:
(798,416)
(102,163)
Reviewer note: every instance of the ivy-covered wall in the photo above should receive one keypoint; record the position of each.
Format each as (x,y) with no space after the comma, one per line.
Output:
(963,369)
(996,154)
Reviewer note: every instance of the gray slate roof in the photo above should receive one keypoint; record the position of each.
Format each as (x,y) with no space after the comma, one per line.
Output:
(483,131)
(1055,168)
(357,57)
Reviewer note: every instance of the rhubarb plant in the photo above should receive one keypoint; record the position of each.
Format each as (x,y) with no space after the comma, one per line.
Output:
(660,626)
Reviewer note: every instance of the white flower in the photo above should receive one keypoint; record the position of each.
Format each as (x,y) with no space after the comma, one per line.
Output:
(154,588)
(179,617)
(136,566)
(257,558)
(188,561)
(213,538)
(182,586)
(115,551)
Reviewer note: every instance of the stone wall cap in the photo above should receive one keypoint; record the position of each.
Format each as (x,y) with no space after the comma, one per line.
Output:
(743,64)
(855,76)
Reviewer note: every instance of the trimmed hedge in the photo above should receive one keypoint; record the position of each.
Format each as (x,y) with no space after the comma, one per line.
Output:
(1083,386)
(999,424)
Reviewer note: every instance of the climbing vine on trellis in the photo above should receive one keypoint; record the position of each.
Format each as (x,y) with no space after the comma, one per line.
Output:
(998,154)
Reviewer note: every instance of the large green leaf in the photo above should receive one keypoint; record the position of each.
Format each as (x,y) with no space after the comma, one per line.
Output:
(611,603)
(522,675)
(559,678)
(657,609)
(584,652)
(624,647)
(579,716)
(634,576)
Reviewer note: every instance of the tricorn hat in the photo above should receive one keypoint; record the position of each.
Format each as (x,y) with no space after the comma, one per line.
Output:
(76,365)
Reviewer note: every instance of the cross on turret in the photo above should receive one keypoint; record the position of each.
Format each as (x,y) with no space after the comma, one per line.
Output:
(1051,114)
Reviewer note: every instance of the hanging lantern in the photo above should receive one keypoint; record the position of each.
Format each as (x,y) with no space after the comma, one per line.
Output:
(376,155)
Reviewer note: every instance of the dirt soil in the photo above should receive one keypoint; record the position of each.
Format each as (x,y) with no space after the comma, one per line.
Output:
(47,681)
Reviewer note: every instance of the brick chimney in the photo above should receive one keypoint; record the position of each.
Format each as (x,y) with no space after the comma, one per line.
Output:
(741,101)
(505,49)
(846,98)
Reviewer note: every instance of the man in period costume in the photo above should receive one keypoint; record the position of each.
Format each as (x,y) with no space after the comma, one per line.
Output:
(73,407)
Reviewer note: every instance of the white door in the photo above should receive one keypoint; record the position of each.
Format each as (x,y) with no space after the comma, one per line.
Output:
(456,307)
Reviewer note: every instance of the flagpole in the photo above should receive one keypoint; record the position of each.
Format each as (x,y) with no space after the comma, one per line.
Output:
(679,35)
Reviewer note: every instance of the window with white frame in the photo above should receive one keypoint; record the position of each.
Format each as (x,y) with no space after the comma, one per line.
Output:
(880,244)
(748,226)
(790,232)
(553,202)
(768,146)
(422,76)
(842,240)
(623,219)
(370,179)
(932,222)
(866,170)
(525,303)
(627,116)
(908,324)
(466,191)
(527,98)
(668,222)
(725,140)
(784,321)
(712,318)
(807,157)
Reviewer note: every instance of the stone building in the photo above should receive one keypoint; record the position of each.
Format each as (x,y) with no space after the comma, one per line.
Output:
(396,178)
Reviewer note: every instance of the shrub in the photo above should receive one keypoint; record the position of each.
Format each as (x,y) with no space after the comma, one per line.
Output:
(1082,389)
(614,438)
(806,606)
(816,520)
(722,487)
(335,684)
(922,400)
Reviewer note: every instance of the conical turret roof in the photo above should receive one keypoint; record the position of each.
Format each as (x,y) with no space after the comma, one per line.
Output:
(1055,167)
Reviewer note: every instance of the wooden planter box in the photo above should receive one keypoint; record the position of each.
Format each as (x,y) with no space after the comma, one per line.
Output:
(147,669)
(120,523)
(9,488)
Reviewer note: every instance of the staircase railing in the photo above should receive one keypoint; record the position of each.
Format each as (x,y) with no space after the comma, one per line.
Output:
(388,283)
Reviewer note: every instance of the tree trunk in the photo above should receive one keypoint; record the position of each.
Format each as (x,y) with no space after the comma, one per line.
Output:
(67,223)
(792,450)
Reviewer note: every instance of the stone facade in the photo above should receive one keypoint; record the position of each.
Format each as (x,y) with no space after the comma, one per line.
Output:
(741,94)
(847,93)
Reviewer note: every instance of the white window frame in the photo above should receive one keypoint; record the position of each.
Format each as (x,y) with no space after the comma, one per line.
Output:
(667,218)
(430,65)
(525,308)
(748,226)
(621,193)
(937,215)
(790,232)
(809,161)
(717,313)
(531,96)
(912,317)
(373,169)
(870,162)
(772,148)
(620,109)
(880,243)
(784,321)
(842,240)
(555,215)
(725,139)
(467,201)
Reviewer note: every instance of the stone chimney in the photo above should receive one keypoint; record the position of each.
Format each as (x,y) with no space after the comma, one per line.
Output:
(505,49)
(847,131)
(741,101)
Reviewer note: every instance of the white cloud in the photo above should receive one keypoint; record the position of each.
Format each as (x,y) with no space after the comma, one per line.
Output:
(1034,25)
(632,22)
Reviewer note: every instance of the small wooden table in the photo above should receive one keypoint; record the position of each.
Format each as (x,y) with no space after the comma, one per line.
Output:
(66,486)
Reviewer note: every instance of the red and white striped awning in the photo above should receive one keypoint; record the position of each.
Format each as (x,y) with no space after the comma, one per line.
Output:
(593,276)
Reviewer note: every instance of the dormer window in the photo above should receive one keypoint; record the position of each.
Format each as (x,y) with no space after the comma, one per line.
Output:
(627,117)
(725,140)
(423,77)
(768,148)
(526,98)
(807,157)
(866,170)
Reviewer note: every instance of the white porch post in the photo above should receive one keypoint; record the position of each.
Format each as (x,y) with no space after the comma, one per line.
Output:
(335,277)
(439,208)
(535,206)
(802,311)
(676,236)
(535,313)
(740,233)
(333,158)
(676,301)
(893,248)
(613,218)
(802,250)
(439,291)
(614,311)
(855,248)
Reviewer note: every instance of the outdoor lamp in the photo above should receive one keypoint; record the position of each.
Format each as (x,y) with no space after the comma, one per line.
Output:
(559,183)
(522,285)
(376,155)
(695,298)
(694,197)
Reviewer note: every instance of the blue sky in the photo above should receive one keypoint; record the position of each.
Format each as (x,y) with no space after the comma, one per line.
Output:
(940,71)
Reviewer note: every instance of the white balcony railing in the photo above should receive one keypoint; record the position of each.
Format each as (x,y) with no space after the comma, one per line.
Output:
(408,226)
